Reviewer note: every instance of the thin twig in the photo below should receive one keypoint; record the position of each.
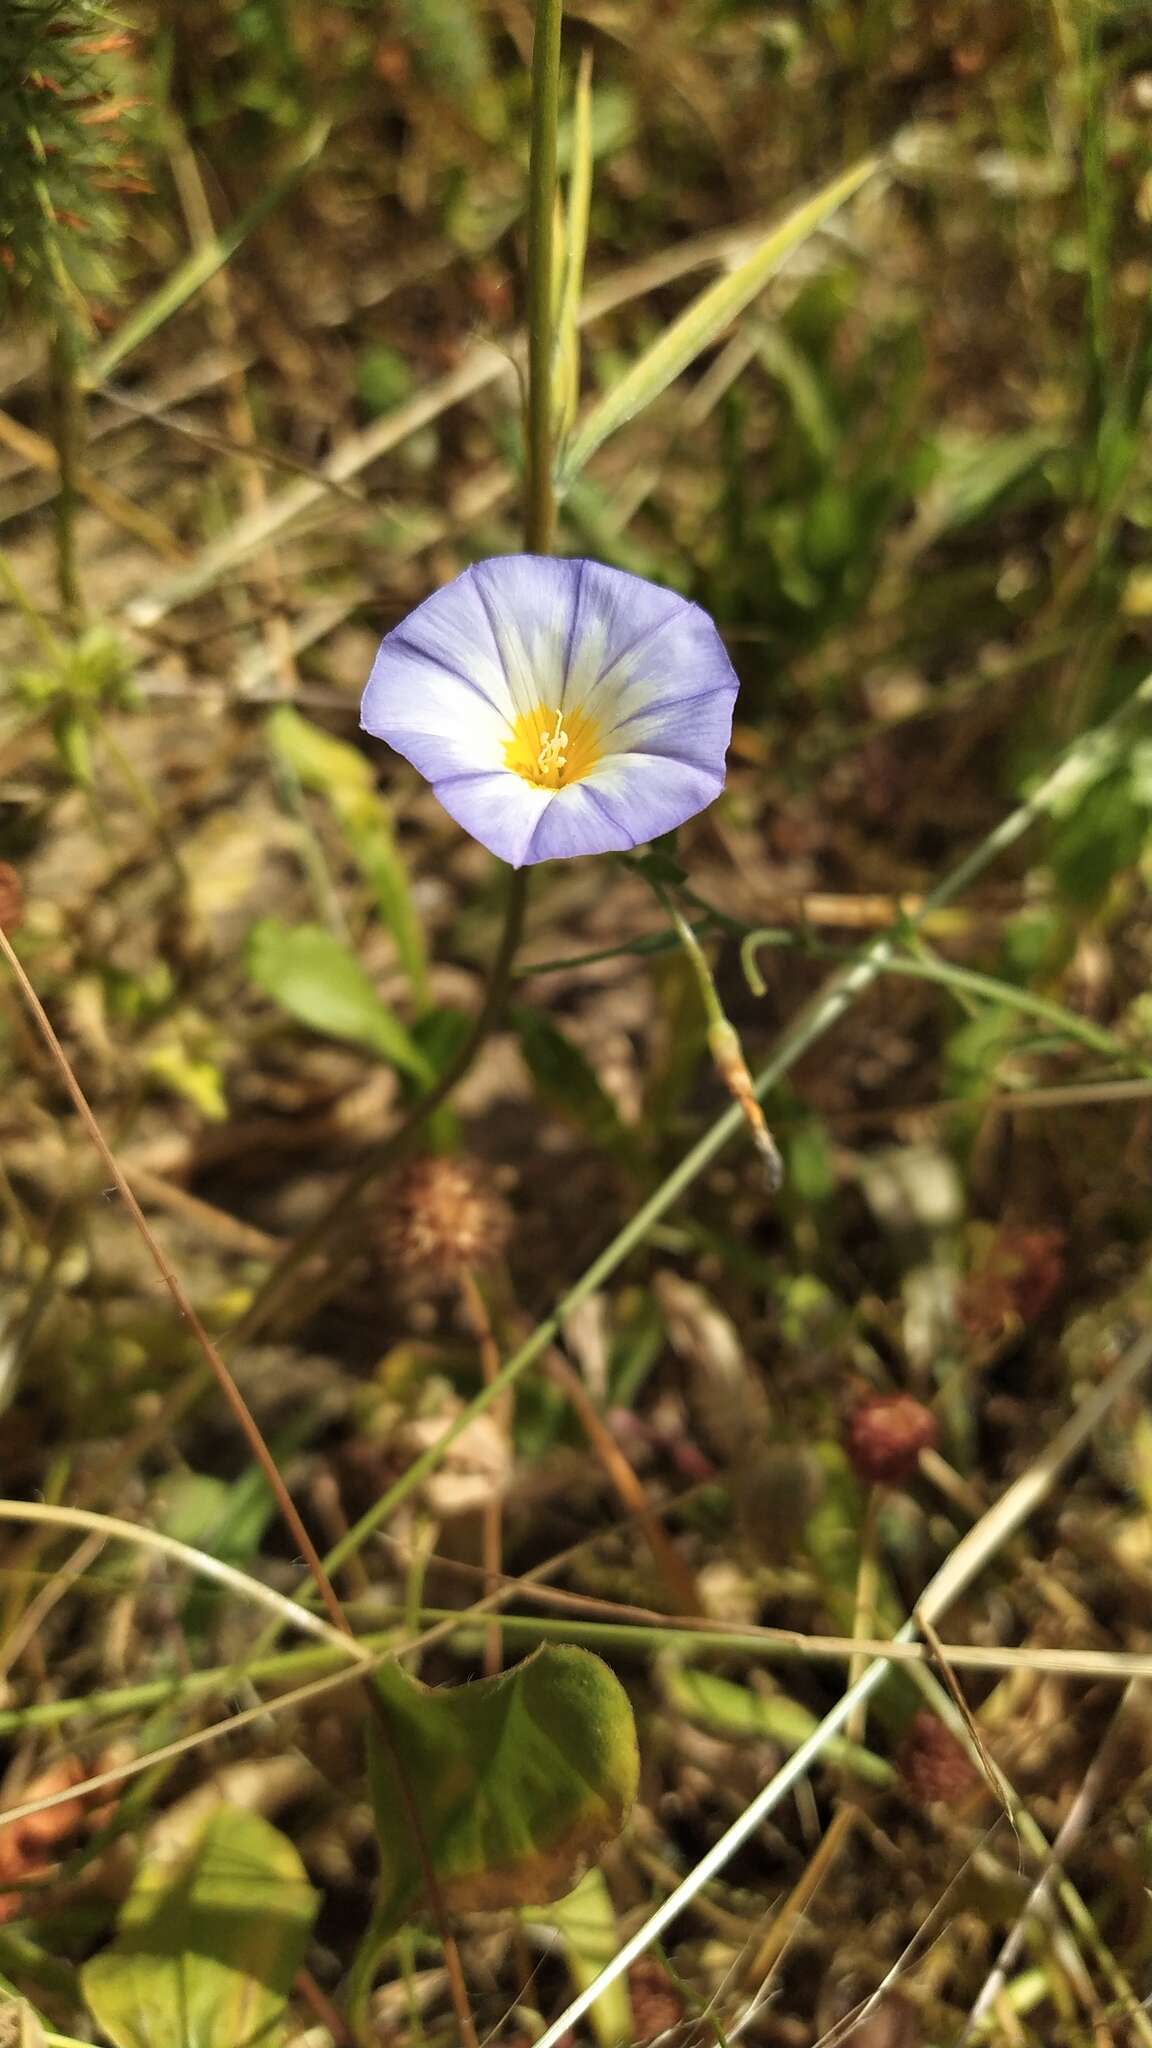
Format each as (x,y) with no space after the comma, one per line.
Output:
(678,1576)
(105,1527)
(492,1516)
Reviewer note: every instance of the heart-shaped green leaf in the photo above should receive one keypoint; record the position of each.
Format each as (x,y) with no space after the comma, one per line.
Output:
(208,1944)
(517,1780)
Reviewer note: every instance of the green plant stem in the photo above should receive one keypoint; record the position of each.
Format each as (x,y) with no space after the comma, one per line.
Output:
(1109,1667)
(540,503)
(67,432)
(724,1044)
(1077,767)
(965,981)
(46,640)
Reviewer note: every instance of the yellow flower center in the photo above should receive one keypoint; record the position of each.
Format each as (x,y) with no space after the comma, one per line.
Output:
(551,748)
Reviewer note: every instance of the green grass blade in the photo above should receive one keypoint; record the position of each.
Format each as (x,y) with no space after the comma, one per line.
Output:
(706,318)
(202,264)
(566,355)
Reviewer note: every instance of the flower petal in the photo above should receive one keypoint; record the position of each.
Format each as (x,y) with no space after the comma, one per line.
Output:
(694,729)
(528,601)
(648,794)
(501,810)
(430,716)
(453,687)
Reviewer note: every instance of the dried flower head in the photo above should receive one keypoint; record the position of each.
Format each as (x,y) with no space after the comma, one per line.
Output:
(1015,1275)
(441,1218)
(557,707)
(11,897)
(932,1763)
(885,1436)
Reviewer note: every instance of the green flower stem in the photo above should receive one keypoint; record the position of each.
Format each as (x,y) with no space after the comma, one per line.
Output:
(724,1040)
(1078,767)
(965,981)
(67,434)
(540,505)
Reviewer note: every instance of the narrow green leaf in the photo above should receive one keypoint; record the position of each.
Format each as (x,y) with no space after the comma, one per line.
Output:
(208,1944)
(734,1710)
(586,1921)
(313,975)
(518,1781)
(202,264)
(340,773)
(566,1081)
(566,354)
(705,319)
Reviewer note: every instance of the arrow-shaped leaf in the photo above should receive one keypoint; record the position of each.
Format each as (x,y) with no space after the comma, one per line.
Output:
(518,1780)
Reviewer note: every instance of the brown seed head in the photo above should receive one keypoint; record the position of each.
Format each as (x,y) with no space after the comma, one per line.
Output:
(441,1217)
(932,1762)
(885,1436)
(11,897)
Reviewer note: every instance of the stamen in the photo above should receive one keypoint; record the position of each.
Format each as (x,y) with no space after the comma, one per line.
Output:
(553,753)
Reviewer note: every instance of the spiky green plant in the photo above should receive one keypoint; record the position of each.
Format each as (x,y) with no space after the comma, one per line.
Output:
(65,170)
(65,164)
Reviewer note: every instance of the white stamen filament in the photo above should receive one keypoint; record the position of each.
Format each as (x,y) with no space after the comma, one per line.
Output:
(554,750)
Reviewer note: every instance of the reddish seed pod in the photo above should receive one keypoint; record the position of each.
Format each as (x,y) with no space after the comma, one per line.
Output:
(932,1763)
(885,1436)
(657,2006)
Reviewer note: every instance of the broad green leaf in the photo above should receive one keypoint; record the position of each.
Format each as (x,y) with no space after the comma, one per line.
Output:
(586,1920)
(733,1710)
(207,1944)
(518,1781)
(566,1082)
(342,775)
(313,975)
(705,319)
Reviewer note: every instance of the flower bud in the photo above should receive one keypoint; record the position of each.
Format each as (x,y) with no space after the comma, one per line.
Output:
(441,1217)
(885,1436)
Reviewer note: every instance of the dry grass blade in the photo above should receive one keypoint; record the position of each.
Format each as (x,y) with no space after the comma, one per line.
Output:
(104,1527)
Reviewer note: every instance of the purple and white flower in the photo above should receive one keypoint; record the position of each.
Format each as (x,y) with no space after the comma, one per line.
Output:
(557,707)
